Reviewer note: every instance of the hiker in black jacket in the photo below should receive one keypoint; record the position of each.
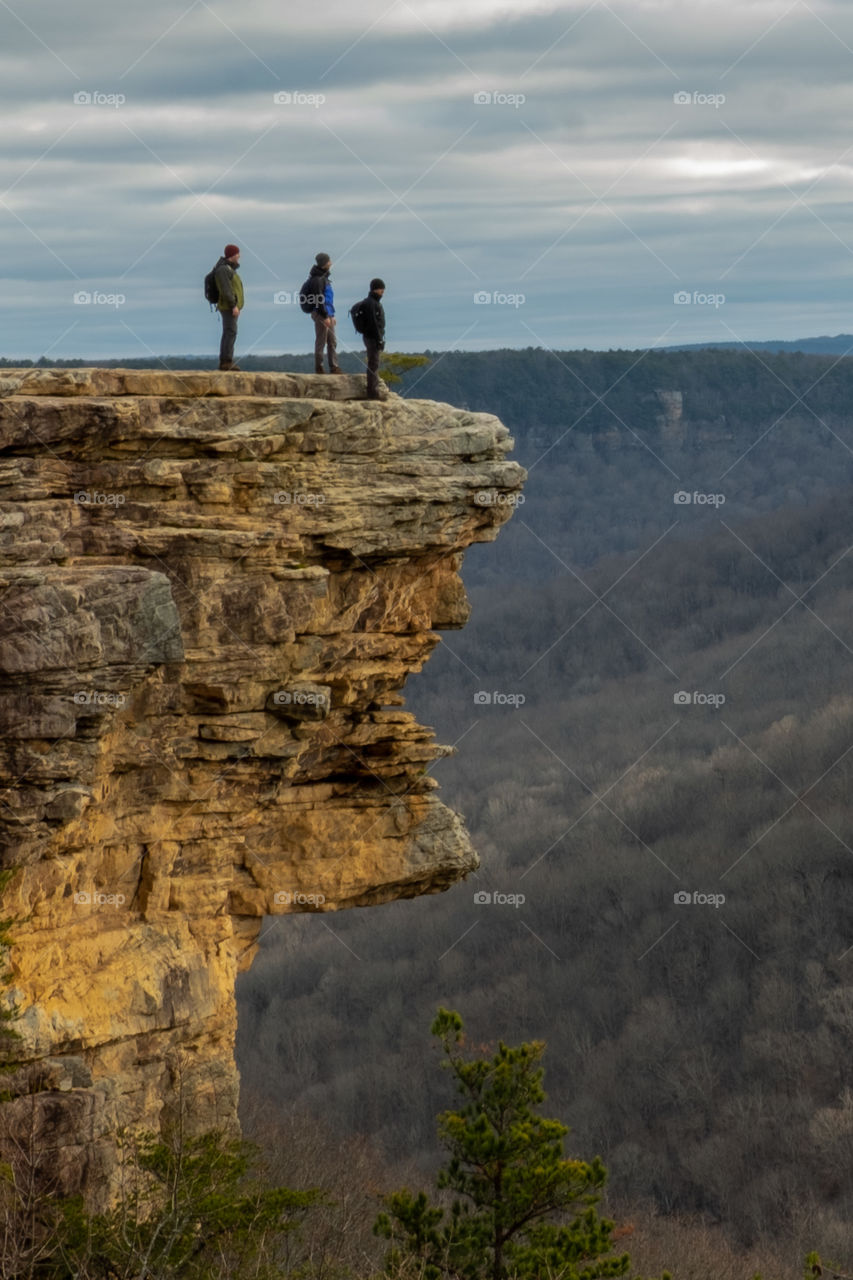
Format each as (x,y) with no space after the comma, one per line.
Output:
(374,335)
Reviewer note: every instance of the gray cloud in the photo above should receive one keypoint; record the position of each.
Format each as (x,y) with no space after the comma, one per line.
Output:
(599,197)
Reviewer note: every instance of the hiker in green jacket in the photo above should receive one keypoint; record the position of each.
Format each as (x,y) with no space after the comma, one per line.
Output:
(230,303)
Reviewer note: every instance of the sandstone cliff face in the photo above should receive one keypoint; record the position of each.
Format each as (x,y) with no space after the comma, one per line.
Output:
(213,587)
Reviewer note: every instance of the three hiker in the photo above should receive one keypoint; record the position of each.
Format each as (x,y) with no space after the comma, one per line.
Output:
(230,303)
(223,288)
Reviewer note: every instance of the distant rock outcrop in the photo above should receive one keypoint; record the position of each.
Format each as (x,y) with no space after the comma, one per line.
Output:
(213,587)
(671,420)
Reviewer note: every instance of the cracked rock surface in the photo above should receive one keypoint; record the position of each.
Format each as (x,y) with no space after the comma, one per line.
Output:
(212,589)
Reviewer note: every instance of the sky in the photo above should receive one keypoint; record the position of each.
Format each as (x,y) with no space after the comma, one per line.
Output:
(560,175)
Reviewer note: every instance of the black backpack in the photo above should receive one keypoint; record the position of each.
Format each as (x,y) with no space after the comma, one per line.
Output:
(312,293)
(359,316)
(211,288)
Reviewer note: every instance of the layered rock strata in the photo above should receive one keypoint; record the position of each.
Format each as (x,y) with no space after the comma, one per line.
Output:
(213,588)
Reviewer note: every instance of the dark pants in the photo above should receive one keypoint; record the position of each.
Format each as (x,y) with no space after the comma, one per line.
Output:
(325,339)
(371,346)
(229,335)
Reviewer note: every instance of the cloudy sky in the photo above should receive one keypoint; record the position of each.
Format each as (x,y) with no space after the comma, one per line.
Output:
(524,174)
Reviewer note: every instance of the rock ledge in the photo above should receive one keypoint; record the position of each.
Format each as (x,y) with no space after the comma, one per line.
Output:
(213,587)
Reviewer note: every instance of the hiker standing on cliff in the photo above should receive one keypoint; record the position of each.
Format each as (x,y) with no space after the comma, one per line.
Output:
(368,317)
(320,295)
(230,303)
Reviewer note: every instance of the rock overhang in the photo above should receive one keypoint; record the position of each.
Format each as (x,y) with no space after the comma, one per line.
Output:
(213,587)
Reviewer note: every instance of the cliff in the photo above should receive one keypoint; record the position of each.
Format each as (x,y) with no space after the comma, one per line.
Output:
(213,587)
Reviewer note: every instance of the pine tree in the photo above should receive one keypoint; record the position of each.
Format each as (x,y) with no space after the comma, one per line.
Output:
(521,1209)
(395,363)
(189,1208)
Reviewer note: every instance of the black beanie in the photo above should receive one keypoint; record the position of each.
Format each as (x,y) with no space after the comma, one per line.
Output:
(376,283)
(322,259)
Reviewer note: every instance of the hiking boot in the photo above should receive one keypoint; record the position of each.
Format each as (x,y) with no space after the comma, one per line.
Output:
(230,368)
(318,368)
(336,369)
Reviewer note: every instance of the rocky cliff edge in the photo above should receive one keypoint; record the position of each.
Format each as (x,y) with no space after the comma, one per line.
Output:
(213,587)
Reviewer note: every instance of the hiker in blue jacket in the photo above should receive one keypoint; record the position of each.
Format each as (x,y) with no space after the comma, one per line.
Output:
(323,314)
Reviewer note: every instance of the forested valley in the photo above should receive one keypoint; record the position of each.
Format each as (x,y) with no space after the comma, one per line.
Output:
(653,716)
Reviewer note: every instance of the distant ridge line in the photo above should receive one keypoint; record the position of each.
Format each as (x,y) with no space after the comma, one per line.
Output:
(302,362)
(825,345)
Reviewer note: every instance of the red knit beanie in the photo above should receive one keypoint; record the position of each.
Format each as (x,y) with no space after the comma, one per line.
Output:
(230,251)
